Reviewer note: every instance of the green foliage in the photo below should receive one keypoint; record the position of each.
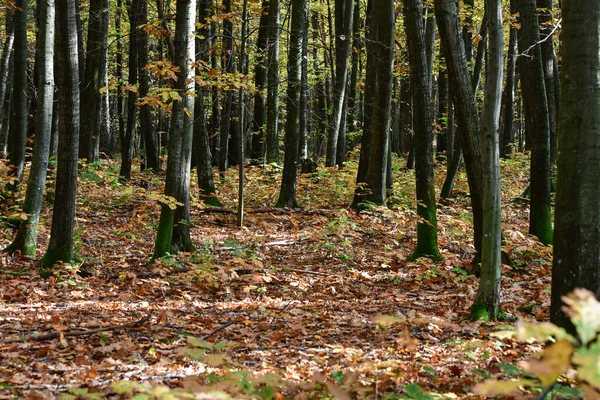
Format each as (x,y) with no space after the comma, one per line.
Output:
(581,353)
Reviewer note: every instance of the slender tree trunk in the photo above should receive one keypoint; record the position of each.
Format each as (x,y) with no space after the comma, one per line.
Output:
(273,83)
(353,120)
(148,132)
(343,31)
(303,106)
(259,119)
(487,302)
(547,47)
(507,137)
(119,72)
(361,176)
(26,239)
(577,219)
(128,139)
(60,247)
(228,67)
(5,63)
(420,77)
(242,115)
(382,24)
(465,107)
(536,120)
(173,233)
(442,114)
(19,101)
(287,194)
(95,66)
(201,140)
(6,105)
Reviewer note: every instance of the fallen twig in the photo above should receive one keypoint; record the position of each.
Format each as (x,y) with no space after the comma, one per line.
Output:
(188,332)
(303,271)
(219,329)
(56,335)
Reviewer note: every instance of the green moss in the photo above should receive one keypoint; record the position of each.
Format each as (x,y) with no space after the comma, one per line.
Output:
(479,312)
(541,224)
(164,233)
(52,256)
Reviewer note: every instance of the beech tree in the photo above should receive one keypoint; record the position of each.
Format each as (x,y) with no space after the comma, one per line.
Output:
(19,100)
(420,79)
(464,102)
(577,218)
(287,194)
(487,302)
(173,233)
(26,238)
(536,119)
(60,247)
(343,31)
(93,80)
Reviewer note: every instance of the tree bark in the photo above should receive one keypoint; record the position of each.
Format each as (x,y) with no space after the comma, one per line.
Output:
(128,139)
(26,238)
(487,301)
(202,155)
(259,120)
(577,218)
(173,233)
(536,120)
(383,26)
(420,77)
(5,63)
(507,137)
(95,67)
(548,56)
(287,194)
(344,10)
(19,101)
(60,247)
(465,107)
(148,132)
(273,83)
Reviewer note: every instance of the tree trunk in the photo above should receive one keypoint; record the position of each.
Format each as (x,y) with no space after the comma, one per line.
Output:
(507,137)
(229,67)
(95,66)
(465,107)
(343,32)
(259,119)
(287,194)
(382,24)
(273,83)
(128,139)
(173,233)
(119,72)
(487,301)
(148,133)
(303,106)
(201,142)
(548,56)
(536,120)
(19,101)
(442,114)
(352,118)
(5,63)
(26,239)
(60,247)
(420,78)
(577,218)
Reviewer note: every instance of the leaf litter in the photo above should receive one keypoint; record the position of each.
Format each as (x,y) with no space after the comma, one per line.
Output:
(322,298)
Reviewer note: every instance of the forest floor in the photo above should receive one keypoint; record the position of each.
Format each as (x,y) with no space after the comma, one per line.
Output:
(312,303)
